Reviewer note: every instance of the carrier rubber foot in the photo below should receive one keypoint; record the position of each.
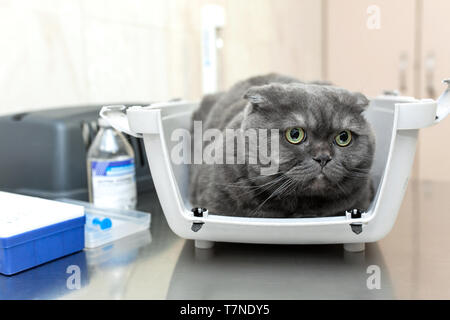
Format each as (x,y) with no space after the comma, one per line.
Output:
(204,244)
(354,247)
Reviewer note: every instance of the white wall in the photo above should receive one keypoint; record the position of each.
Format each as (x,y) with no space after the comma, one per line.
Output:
(66,52)
(265,35)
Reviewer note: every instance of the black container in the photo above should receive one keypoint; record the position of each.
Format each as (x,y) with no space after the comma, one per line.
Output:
(43,153)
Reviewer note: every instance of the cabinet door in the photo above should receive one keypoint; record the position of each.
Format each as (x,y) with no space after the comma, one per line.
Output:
(368,41)
(434,146)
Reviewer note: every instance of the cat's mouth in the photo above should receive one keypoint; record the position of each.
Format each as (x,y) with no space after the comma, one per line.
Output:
(314,179)
(320,182)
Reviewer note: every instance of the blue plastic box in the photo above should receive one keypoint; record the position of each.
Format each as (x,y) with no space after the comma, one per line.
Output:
(37,231)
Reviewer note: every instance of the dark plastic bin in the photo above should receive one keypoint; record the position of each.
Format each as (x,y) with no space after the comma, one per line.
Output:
(43,153)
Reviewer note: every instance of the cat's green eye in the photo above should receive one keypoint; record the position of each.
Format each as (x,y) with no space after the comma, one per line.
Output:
(344,138)
(295,135)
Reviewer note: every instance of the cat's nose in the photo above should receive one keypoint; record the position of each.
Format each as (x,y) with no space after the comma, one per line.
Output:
(323,159)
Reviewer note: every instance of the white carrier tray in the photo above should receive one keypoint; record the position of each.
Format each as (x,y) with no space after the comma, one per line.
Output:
(396,121)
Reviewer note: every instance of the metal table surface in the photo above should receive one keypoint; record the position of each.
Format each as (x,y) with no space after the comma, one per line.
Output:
(413,261)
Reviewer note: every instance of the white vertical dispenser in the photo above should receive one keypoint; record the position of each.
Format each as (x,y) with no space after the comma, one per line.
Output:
(213,18)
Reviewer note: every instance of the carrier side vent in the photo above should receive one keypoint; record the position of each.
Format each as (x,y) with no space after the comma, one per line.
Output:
(197,226)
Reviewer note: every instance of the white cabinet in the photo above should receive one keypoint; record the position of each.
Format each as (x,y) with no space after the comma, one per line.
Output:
(434,146)
(364,55)
(410,52)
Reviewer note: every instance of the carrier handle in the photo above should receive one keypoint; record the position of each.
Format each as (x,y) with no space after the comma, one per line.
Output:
(416,115)
(443,103)
(117,118)
(424,113)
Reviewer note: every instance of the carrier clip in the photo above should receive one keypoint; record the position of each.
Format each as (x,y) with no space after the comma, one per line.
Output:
(355,214)
(201,213)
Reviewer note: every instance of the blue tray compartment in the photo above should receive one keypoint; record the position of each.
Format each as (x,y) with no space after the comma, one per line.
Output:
(30,249)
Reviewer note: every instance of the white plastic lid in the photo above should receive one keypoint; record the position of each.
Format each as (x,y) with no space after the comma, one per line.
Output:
(20,214)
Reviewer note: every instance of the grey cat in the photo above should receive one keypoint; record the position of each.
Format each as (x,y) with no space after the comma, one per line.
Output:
(326,150)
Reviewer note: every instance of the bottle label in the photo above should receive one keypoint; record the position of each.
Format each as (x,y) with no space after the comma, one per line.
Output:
(114,183)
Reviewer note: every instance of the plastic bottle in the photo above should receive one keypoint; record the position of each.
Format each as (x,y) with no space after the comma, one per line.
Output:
(111,170)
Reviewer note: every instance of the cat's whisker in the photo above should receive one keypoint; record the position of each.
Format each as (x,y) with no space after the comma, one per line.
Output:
(356,173)
(269,197)
(353,177)
(262,188)
(286,189)
(339,186)
(250,179)
(358,170)
(237,184)
(267,187)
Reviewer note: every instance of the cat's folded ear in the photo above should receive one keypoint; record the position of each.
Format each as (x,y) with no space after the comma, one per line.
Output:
(354,100)
(264,96)
(259,98)
(361,100)
(256,97)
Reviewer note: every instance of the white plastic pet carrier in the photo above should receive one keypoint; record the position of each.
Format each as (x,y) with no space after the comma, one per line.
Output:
(396,121)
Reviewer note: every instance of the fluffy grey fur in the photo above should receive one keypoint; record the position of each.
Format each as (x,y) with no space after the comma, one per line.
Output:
(302,187)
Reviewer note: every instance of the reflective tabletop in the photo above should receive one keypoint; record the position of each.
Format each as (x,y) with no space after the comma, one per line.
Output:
(412,262)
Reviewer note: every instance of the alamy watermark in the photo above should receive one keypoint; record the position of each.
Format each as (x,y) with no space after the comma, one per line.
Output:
(73,282)
(374,17)
(231,146)
(374,280)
